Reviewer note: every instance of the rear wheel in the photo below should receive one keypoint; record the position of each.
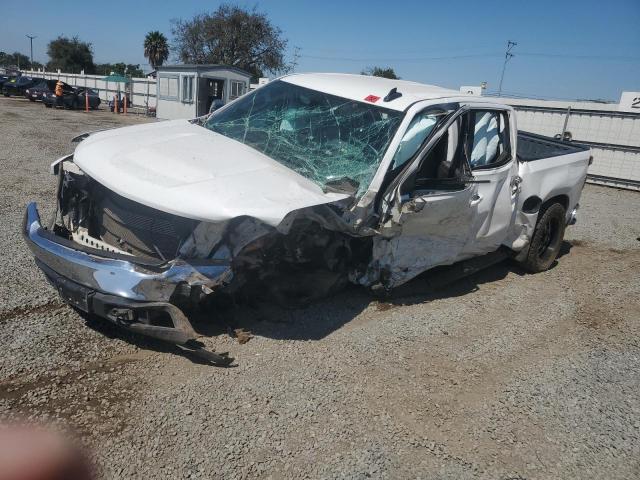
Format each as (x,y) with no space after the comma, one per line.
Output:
(547,239)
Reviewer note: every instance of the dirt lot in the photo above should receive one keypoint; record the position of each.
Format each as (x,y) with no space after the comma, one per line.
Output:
(500,375)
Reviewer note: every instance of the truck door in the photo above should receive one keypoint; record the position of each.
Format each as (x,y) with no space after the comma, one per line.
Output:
(431,214)
(493,165)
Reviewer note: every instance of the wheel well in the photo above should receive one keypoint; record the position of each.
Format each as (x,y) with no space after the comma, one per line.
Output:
(561,199)
(532,204)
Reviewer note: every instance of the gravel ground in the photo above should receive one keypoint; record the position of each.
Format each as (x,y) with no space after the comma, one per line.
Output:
(500,375)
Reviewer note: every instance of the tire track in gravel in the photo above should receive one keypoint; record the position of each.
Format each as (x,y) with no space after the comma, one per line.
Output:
(453,394)
(23,310)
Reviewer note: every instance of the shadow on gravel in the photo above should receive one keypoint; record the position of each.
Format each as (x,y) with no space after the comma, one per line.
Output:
(322,317)
(109,330)
(325,316)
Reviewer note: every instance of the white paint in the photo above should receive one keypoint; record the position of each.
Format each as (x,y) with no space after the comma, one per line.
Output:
(184,169)
(471,89)
(358,87)
(187,170)
(440,228)
(629,102)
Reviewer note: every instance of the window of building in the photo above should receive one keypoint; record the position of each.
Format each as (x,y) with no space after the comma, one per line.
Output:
(237,89)
(187,89)
(168,87)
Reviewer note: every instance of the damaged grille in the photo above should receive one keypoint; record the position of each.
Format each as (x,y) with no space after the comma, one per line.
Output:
(138,229)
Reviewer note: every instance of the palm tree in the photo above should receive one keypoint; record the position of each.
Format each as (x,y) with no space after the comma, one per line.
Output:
(156,48)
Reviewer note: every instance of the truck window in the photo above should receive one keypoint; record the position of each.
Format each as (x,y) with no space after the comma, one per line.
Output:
(445,162)
(418,130)
(490,143)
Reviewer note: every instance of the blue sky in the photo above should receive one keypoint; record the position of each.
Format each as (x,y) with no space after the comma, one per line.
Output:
(566,49)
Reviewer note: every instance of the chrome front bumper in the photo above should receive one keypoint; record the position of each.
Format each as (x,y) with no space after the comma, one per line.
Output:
(573,215)
(134,279)
(126,290)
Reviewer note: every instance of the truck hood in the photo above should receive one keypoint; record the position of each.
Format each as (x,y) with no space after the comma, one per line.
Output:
(190,171)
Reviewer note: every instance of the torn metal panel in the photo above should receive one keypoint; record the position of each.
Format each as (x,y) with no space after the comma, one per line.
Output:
(424,232)
(202,240)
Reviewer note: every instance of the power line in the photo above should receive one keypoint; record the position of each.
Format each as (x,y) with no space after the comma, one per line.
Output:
(507,56)
(399,60)
(396,51)
(584,57)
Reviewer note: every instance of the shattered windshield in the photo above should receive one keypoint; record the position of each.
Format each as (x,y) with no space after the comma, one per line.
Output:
(327,139)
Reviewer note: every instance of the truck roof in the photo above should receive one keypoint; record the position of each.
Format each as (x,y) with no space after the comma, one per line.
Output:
(365,88)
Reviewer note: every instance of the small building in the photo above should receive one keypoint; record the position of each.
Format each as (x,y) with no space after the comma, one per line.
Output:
(187,91)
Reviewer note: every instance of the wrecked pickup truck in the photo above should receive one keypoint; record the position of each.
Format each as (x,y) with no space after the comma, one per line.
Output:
(293,190)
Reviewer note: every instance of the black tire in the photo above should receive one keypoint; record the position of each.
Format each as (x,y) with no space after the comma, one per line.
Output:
(547,239)
(32,99)
(48,105)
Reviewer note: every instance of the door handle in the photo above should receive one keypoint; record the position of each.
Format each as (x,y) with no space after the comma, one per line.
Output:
(475,199)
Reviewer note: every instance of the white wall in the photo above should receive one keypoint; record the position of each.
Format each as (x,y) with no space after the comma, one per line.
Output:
(616,133)
(144,89)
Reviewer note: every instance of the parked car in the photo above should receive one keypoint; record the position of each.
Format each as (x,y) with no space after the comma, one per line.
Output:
(79,101)
(37,91)
(295,189)
(3,78)
(17,85)
(72,98)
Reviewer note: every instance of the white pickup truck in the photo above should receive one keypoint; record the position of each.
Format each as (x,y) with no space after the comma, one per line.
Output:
(294,189)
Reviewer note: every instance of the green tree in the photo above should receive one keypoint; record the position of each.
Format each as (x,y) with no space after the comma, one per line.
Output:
(232,36)
(120,68)
(385,72)
(70,55)
(15,59)
(156,48)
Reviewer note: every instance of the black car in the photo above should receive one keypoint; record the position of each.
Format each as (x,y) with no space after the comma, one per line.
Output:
(94,97)
(37,91)
(72,99)
(3,78)
(17,85)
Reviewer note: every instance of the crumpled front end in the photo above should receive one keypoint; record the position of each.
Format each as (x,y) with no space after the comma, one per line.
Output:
(119,260)
(146,270)
(138,294)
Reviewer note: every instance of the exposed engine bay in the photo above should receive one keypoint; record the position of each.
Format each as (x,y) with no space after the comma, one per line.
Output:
(305,262)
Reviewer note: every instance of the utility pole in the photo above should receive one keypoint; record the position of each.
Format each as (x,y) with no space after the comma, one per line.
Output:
(31,37)
(507,56)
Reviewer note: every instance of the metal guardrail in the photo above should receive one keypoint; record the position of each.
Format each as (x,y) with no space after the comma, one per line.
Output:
(614,182)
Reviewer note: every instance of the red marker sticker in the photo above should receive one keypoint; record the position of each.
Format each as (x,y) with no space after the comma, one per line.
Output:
(372,99)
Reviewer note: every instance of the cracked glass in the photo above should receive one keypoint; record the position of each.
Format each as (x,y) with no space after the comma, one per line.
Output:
(335,142)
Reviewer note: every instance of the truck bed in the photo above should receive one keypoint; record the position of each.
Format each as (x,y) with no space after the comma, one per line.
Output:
(535,147)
